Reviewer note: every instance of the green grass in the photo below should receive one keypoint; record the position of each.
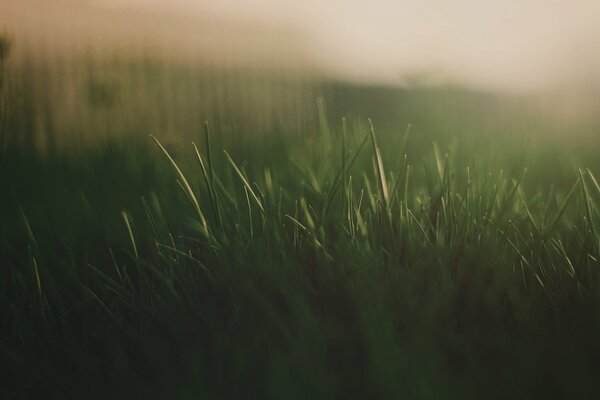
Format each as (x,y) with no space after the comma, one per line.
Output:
(342,263)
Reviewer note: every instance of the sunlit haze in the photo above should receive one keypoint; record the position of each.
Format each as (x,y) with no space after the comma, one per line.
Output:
(510,45)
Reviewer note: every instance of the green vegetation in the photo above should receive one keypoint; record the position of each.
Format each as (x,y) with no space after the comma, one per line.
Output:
(292,257)
(330,265)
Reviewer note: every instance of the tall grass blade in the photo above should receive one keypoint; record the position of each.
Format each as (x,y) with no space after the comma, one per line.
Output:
(380,170)
(130,232)
(561,209)
(244,181)
(587,202)
(186,186)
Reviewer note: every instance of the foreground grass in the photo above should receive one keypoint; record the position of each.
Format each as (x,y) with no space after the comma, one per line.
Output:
(329,266)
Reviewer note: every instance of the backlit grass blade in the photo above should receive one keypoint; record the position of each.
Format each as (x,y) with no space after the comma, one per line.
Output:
(244,181)
(561,209)
(130,232)
(398,177)
(380,170)
(336,182)
(249,214)
(186,186)
(38,281)
(492,202)
(509,199)
(211,170)
(439,163)
(209,181)
(587,203)
(594,181)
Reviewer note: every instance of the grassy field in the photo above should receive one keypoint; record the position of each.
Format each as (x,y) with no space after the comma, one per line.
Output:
(323,266)
(454,258)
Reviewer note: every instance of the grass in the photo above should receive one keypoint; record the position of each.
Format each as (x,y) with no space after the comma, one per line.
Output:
(344,263)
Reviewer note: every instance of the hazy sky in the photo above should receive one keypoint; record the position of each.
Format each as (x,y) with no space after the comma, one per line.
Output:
(499,44)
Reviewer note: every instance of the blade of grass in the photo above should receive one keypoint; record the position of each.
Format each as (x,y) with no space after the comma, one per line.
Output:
(380,170)
(186,186)
(561,210)
(244,181)
(130,232)
(587,203)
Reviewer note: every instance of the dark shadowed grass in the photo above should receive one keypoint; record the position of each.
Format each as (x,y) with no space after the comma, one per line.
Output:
(332,265)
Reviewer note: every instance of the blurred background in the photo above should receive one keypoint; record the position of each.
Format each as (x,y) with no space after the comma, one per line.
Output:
(77,70)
